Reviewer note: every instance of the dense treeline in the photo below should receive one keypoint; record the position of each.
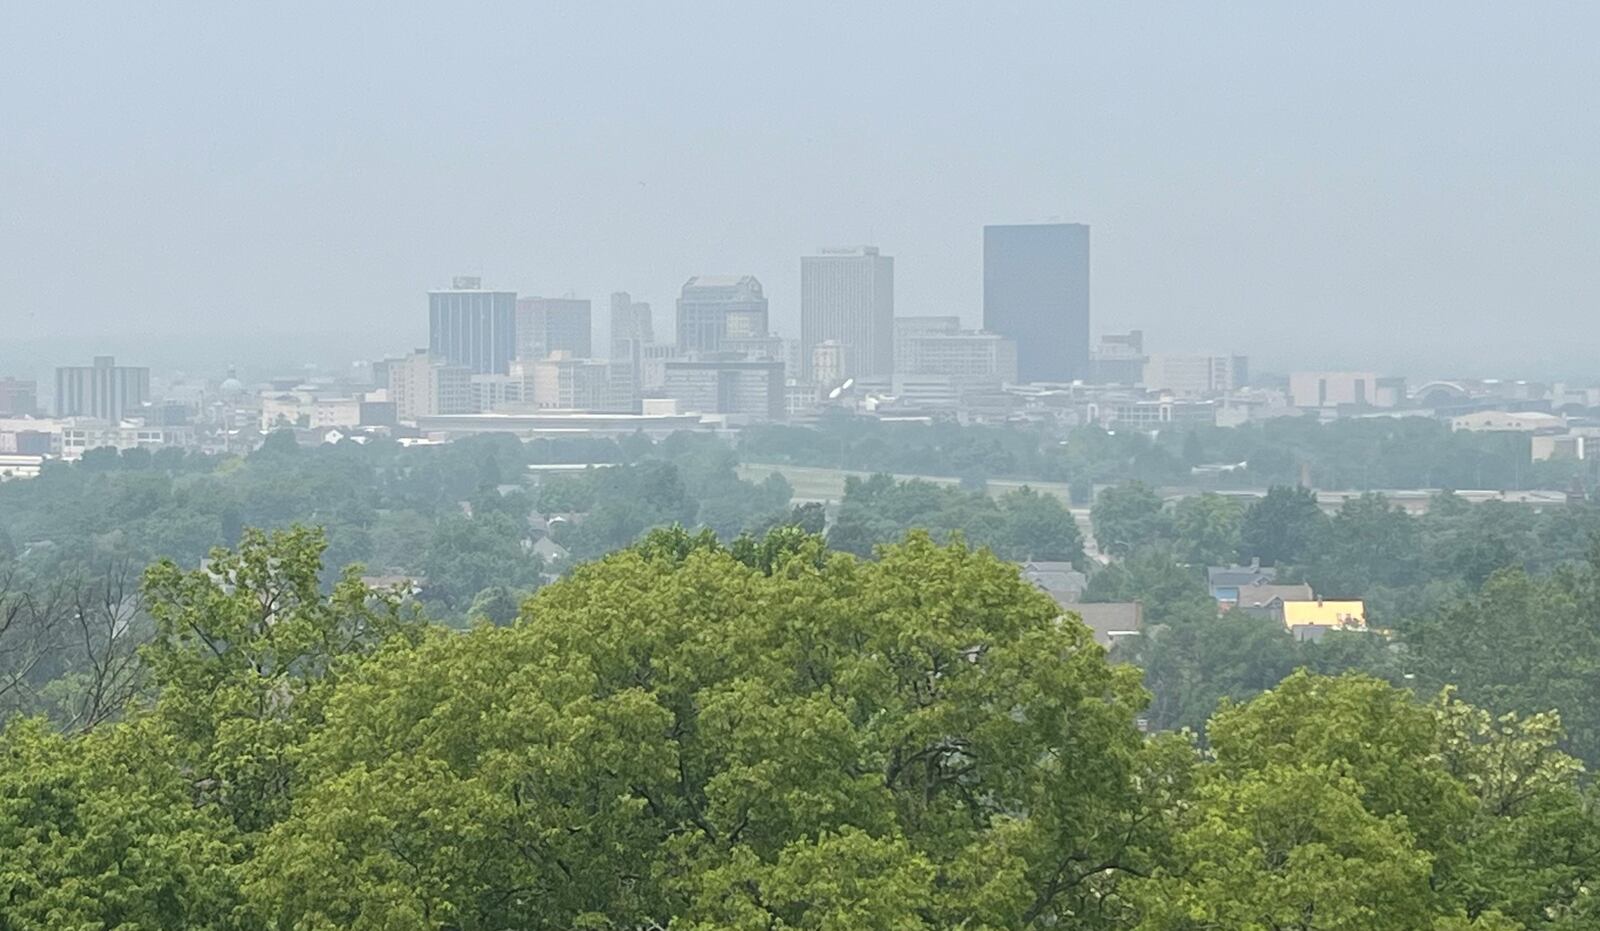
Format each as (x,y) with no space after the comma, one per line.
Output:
(461,517)
(686,735)
(1348,454)
(1497,599)
(456,514)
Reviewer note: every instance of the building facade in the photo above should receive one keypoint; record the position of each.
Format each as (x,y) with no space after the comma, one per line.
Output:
(422,386)
(1194,375)
(1036,292)
(473,328)
(961,354)
(749,389)
(105,390)
(19,397)
(562,381)
(631,326)
(554,324)
(1332,389)
(830,363)
(1119,359)
(712,308)
(847,294)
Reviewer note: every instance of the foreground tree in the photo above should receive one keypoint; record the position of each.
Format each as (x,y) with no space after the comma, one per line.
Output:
(676,736)
(1128,517)
(1341,804)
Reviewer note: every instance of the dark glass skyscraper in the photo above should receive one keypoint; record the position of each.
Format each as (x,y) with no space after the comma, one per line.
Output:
(1036,291)
(471,327)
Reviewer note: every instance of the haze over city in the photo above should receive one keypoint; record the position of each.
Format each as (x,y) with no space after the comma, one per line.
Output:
(1409,189)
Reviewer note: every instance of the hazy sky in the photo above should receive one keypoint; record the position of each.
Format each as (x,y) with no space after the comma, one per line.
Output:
(1413,187)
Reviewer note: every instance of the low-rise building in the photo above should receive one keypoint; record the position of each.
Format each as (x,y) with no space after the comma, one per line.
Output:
(1341,389)
(1312,620)
(1509,422)
(302,408)
(1558,447)
(1111,622)
(1152,413)
(1059,580)
(1267,599)
(1226,582)
(81,434)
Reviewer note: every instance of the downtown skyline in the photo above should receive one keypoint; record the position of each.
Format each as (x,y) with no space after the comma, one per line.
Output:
(288,177)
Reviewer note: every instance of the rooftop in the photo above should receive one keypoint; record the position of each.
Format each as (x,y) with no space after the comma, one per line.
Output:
(1343,615)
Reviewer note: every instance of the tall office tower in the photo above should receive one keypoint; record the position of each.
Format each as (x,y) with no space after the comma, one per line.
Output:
(714,307)
(1036,291)
(553,324)
(631,326)
(104,390)
(848,295)
(471,327)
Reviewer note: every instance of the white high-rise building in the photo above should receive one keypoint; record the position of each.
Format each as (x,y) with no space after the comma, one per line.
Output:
(847,294)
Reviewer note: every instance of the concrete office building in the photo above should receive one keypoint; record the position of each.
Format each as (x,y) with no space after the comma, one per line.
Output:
(830,363)
(1333,389)
(422,386)
(471,327)
(919,326)
(562,381)
(1119,359)
(847,294)
(19,397)
(1036,292)
(105,390)
(631,326)
(1194,375)
(749,389)
(961,354)
(712,308)
(554,324)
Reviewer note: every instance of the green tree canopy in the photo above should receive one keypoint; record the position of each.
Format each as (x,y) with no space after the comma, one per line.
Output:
(1127,517)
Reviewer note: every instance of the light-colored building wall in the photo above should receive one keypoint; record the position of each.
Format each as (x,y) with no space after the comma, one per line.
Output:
(1508,422)
(1192,374)
(422,386)
(847,294)
(961,354)
(1331,389)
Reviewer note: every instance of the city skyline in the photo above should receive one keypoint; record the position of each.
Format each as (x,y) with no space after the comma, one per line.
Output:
(1307,179)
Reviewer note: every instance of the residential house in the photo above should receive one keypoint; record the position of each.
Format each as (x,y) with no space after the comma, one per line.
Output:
(1112,621)
(1266,599)
(1059,580)
(1312,620)
(1226,581)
